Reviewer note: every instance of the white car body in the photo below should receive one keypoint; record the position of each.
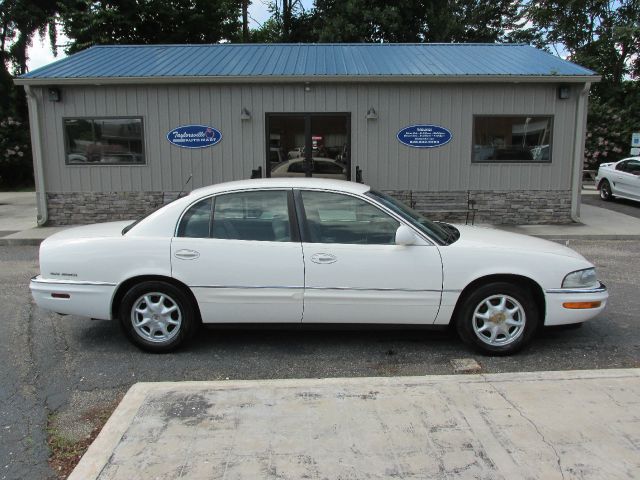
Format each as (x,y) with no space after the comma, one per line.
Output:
(623,183)
(84,270)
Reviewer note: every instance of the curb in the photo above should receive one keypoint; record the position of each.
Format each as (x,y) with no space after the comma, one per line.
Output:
(20,241)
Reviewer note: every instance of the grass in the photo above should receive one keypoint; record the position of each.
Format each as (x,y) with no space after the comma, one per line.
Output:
(64,454)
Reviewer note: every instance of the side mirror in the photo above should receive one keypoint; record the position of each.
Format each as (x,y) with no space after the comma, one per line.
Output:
(405,236)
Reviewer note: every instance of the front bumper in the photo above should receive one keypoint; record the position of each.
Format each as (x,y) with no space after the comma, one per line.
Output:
(73,297)
(557,314)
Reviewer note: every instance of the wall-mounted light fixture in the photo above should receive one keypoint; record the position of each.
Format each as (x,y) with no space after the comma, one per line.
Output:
(54,94)
(245,114)
(372,114)
(307,87)
(564,92)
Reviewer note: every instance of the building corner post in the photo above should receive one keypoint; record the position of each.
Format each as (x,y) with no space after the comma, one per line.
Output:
(36,152)
(578,151)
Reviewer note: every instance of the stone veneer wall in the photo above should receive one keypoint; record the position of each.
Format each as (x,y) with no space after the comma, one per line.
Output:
(93,207)
(525,207)
(494,207)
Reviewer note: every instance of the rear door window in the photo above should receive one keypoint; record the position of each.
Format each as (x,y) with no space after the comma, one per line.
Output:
(258,215)
(196,222)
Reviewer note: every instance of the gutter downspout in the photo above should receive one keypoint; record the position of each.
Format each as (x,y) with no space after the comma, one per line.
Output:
(36,151)
(578,152)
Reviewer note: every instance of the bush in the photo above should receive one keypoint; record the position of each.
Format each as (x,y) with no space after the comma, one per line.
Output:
(613,115)
(16,168)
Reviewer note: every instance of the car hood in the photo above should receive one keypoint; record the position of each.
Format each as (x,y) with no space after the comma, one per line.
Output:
(97,230)
(481,237)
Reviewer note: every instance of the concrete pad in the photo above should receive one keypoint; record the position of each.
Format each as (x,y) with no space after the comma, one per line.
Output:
(595,223)
(551,425)
(465,365)
(18,211)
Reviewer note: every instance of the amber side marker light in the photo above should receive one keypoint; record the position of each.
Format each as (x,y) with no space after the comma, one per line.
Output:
(581,305)
(60,295)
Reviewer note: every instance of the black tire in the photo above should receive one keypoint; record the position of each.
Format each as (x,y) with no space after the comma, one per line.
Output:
(605,191)
(516,336)
(145,336)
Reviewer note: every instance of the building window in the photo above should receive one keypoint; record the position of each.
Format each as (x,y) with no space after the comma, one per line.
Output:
(104,141)
(512,139)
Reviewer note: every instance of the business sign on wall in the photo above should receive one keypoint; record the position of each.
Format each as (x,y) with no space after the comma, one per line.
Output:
(424,136)
(194,136)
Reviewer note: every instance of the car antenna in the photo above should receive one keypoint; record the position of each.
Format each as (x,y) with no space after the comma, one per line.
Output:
(185,185)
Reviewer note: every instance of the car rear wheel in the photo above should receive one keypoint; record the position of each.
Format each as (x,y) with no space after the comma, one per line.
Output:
(605,191)
(498,318)
(157,316)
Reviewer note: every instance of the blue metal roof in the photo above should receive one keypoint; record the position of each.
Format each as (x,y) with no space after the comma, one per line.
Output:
(307,60)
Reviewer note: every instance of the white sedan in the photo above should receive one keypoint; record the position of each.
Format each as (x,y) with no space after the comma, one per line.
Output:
(619,179)
(311,251)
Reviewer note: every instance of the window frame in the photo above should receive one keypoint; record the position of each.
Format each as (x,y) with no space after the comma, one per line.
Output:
(474,118)
(294,227)
(105,164)
(630,162)
(623,164)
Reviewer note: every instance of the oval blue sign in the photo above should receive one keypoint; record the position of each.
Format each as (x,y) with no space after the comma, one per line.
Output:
(424,136)
(194,136)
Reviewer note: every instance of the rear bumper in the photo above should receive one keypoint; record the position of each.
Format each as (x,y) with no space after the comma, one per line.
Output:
(557,314)
(85,299)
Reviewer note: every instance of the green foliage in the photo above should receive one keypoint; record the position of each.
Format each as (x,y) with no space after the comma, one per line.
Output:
(15,154)
(393,21)
(603,35)
(612,119)
(94,22)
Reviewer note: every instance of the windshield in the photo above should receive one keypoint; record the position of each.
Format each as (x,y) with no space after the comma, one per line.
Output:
(437,232)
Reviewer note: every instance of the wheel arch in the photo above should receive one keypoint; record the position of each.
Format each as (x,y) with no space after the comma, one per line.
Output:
(124,287)
(602,180)
(520,280)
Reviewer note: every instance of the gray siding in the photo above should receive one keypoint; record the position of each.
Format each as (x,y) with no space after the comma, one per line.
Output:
(386,163)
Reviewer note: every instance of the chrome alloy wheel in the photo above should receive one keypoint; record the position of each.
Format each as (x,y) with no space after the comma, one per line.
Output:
(605,191)
(156,317)
(499,320)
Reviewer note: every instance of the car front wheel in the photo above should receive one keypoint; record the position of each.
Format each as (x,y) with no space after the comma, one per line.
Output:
(498,318)
(605,191)
(157,316)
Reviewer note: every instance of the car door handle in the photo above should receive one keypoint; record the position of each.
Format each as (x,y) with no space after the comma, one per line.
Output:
(323,258)
(186,254)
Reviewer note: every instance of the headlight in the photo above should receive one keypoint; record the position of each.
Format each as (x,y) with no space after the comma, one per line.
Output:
(581,279)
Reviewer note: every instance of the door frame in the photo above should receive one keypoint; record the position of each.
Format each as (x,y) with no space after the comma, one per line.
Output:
(307,116)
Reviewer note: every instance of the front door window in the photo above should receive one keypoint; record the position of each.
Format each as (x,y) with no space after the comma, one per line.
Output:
(336,218)
(311,145)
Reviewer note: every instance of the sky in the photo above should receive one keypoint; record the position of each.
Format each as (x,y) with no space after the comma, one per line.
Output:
(40,53)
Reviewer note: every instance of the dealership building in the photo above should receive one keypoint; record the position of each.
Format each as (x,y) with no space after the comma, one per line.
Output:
(490,132)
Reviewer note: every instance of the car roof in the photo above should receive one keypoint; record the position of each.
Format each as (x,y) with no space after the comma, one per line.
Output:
(285,182)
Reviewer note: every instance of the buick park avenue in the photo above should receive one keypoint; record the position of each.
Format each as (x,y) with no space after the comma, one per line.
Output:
(298,250)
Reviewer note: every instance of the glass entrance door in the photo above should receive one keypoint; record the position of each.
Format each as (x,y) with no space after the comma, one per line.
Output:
(309,144)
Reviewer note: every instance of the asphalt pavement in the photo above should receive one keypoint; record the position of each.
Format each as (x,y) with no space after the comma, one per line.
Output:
(619,205)
(69,366)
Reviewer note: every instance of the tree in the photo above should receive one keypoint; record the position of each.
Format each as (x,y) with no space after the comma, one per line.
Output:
(604,36)
(20,21)
(289,22)
(414,20)
(94,22)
